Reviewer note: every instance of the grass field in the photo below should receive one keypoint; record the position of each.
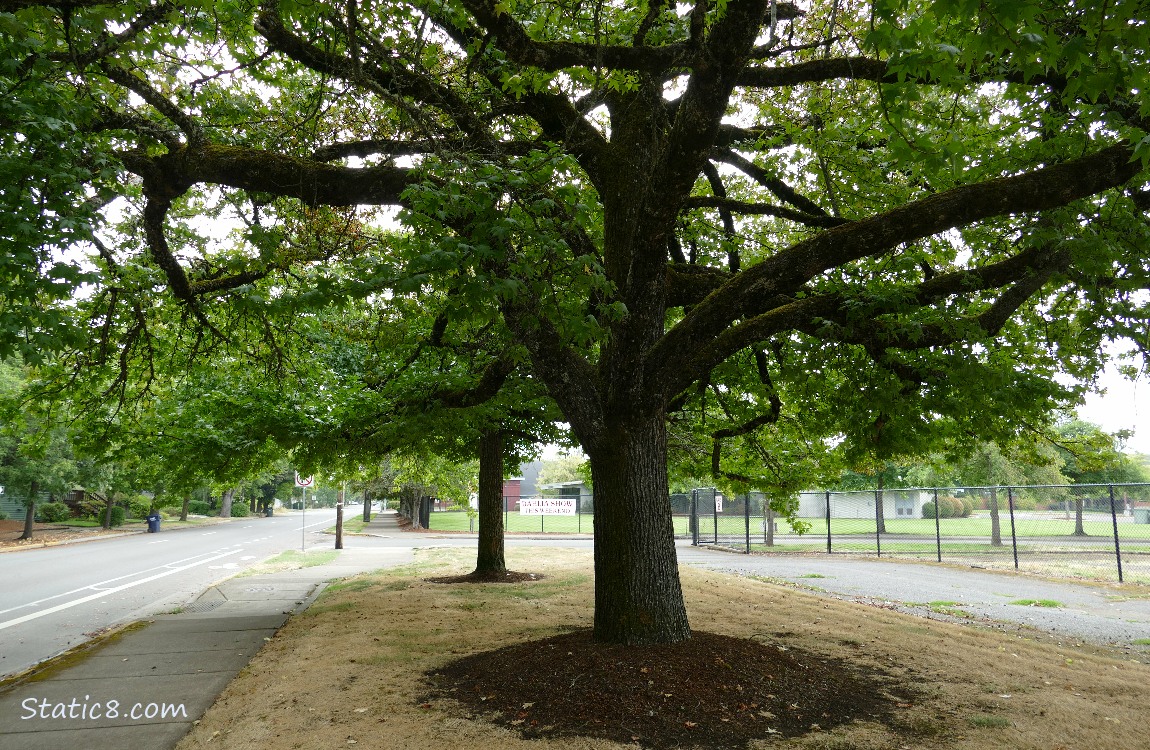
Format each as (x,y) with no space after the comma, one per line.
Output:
(975,527)
(1046,546)
(513,522)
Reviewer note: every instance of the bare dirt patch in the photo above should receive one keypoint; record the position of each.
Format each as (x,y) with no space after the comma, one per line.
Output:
(44,534)
(359,669)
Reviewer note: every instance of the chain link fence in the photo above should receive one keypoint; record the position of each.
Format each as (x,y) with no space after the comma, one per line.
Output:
(1094,531)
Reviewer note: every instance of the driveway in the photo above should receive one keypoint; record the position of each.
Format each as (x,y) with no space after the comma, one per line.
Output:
(1067,612)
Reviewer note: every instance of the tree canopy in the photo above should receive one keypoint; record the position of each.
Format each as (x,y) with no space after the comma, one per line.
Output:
(895,215)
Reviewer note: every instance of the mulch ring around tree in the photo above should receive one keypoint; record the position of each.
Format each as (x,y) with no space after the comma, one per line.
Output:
(504,576)
(712,691)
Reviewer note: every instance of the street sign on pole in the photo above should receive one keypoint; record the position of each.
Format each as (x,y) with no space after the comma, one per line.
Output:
(304,481)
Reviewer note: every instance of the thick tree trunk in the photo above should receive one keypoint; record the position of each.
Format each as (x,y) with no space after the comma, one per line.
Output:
(1079,529)
(490,557)
(366,506)
(995,522)
(30,511)
(879,499)
(339,519)
(638,597)
(184,507)
(407,508)
(108,503)
(226,503)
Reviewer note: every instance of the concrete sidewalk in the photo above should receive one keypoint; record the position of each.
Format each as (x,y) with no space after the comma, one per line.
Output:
(145,688)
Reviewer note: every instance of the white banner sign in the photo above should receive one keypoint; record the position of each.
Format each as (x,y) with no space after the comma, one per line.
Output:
(547,506)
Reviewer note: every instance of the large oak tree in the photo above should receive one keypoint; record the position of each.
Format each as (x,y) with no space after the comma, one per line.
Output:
(906,201)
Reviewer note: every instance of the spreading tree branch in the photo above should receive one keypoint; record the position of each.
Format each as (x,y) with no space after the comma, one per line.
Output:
(786,272)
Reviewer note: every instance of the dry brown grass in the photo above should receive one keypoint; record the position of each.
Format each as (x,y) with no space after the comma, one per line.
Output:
(351,670)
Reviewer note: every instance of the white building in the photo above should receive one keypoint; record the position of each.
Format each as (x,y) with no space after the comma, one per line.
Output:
(895,504)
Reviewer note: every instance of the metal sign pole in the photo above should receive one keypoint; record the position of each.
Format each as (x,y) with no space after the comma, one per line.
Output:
(303,484)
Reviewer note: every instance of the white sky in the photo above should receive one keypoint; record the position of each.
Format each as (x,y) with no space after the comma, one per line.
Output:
(1124,406)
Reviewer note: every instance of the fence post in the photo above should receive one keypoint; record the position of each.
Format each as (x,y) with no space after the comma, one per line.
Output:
(747,518)
(878,513)
(828,522)
(1117,548)
(1013,535)
(937,526)
(715,510)
(695,517)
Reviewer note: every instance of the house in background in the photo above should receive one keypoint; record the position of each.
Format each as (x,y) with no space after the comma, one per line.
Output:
(895,504)
(530,473)
(574,489)
(12,504)
(511,492)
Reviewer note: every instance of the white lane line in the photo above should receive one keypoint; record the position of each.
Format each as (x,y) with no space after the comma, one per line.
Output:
(160,541)
(96,586)
(102,594)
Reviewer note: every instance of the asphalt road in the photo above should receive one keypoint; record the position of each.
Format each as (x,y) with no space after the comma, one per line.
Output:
(1107,614)
(52,598)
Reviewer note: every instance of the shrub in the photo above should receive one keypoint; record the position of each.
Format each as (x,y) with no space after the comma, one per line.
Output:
(199,507)
(3,516)
(118,515)
(1026,501)
(949,507)
(171,511)
(139,507)
(240,510)
(928,510)
(967,507)
(54,512)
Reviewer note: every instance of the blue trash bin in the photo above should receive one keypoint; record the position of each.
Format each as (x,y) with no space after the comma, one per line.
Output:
(153,523)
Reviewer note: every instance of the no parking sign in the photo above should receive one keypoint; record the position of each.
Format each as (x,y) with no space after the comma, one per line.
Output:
(304,481)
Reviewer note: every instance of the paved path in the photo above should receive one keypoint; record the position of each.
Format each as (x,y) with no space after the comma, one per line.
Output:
(145,688)
(1109,614)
